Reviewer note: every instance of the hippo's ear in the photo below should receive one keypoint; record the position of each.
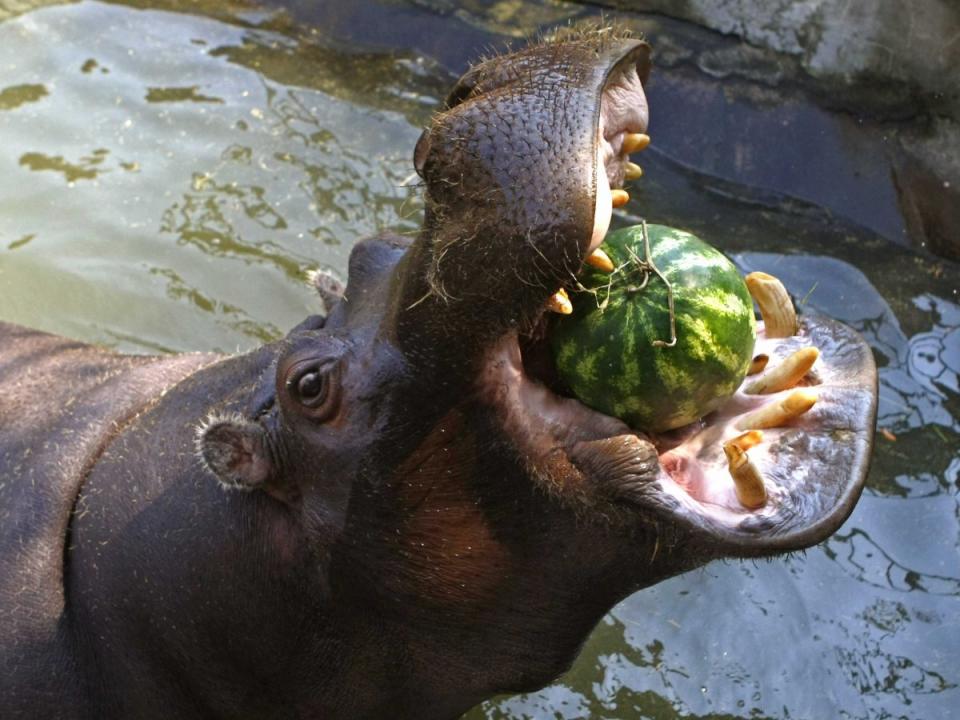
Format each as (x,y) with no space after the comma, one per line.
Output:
(328,285)
(235,450)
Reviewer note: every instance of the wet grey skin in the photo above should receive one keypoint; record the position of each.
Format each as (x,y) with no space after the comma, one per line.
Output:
(389,512)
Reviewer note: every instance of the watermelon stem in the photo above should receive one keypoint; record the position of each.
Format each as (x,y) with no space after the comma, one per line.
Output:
(647,266)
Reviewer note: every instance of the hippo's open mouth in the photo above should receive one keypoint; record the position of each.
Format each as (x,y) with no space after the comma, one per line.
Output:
(810,464)
(806,462)
(522,170)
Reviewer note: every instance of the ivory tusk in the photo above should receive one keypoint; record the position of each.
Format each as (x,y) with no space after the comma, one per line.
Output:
(747,440)
(747,480)
(785,375)
(779,412)
(776,307)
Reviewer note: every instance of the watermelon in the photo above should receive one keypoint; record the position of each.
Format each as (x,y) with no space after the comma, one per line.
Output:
(614,352)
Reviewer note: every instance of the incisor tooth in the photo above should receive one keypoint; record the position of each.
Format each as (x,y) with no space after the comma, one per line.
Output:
(632,171)
(779,412)
(786,374)
(747,480)
(619,197)
(559,302)
(600,260)
(634,142)
(776,307)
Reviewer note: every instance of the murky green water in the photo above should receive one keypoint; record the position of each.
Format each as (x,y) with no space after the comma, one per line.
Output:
(166,178)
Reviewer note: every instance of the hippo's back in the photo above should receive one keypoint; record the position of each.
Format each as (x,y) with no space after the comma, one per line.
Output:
(60,403)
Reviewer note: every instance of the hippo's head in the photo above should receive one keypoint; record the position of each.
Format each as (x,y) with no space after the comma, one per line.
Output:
(479,522)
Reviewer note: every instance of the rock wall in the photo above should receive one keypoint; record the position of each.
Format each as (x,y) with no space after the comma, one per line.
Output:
(896,52)
(892,64)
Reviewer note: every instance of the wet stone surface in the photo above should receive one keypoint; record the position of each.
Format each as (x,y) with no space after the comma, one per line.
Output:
(170,171)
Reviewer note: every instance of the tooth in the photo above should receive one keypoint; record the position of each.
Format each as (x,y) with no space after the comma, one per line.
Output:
(747,480)
(559,302)
(599,260)
(634,142)
(758,363)
(776,308)
(785,375)
(779,412)
(619,197)
(632,171)
(747,440)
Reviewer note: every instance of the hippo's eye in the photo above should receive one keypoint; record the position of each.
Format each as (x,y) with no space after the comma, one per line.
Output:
(312,388)
(312,385)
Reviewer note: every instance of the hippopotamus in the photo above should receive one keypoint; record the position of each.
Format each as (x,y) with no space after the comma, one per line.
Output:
(394,510)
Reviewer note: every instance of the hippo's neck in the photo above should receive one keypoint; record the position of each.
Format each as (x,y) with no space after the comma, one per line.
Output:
(163,564)
(188,601)
(61,401)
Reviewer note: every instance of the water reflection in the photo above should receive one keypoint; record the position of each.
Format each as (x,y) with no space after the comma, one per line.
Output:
(236,317)
(17,95)
(870,563)
(204,137)
(20,242)
(873,670)
(86,168)
(180,94)
(932,366)
(513,18)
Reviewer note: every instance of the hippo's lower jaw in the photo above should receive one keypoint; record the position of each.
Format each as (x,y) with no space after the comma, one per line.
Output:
(812,466)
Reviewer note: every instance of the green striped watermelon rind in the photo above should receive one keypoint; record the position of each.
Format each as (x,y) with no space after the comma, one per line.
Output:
(605,352)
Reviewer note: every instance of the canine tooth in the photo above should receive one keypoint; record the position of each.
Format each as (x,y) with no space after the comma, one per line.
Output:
(776,307)
(779,412)
(747,440)
(619,197)
(758,363)
(634,142)
(747,480)
(785,375)
(600,260)
(632,171)
(559,302)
